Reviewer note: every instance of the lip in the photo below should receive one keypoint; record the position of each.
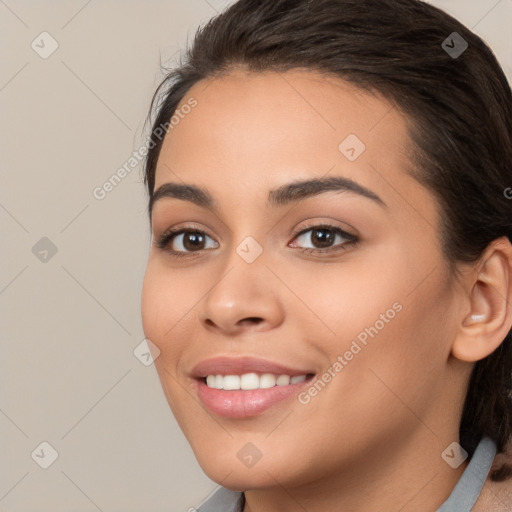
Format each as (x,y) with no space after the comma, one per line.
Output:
(238,404)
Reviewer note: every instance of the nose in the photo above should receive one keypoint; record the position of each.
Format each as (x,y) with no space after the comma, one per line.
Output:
(244,298)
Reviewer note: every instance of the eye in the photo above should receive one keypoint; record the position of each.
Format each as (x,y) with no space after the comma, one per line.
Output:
(323,238)
(180,242)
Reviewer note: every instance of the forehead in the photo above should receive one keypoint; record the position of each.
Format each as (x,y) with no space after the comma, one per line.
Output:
(262,129)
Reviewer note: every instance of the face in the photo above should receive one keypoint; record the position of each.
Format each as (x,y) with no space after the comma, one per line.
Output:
(339,284)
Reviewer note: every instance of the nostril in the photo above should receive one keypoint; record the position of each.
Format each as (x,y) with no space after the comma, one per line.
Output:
(252,320)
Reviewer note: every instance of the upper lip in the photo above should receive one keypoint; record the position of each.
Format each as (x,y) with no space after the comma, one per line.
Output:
(241,365)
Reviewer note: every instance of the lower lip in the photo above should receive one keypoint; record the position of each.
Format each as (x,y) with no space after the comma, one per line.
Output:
(245,403)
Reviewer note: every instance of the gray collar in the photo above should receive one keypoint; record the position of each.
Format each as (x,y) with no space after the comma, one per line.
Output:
(468,488)
(462,499)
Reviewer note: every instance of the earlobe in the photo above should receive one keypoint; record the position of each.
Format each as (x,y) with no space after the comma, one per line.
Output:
(489,319)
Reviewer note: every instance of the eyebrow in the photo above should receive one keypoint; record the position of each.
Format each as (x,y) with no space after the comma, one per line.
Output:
(285,194)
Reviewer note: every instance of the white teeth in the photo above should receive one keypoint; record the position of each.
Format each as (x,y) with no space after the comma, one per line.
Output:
(210,381)
(249,381)
(267,380)
(283,380)
(231,381)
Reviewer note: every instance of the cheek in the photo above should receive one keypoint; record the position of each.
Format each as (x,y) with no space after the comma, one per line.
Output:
(155,304)
(384,319)
(338,302)
(167,301)
(400,361)
(420,348)
(164,306)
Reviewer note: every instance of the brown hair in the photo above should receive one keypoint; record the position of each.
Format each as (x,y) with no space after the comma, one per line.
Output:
(459,109)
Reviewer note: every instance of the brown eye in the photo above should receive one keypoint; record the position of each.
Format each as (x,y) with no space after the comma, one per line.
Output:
(324,237)
(179,242)
(193,240)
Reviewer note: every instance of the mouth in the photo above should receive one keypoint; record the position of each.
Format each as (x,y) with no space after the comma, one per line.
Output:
(246,387)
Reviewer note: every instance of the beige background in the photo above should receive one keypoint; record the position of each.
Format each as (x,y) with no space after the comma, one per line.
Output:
(70,325)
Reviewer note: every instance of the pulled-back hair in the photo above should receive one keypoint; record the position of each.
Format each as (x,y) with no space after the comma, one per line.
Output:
(459,113)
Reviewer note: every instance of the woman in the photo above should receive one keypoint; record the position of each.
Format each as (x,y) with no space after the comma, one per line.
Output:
(330,278)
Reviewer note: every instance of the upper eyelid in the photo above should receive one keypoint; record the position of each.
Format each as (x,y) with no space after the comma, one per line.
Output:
(325,225)
(332,223)
(180,230)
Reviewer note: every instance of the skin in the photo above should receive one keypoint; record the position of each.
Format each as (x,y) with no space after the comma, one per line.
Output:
(372,438)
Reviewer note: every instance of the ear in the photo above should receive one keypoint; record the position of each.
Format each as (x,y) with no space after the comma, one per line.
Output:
(487,319)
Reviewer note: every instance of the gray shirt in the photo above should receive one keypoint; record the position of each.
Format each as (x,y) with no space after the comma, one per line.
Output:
(462,499)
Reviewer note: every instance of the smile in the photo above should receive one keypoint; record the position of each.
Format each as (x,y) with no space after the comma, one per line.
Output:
(243,387)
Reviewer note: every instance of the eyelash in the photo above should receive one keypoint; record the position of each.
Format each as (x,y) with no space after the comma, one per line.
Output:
(350,240)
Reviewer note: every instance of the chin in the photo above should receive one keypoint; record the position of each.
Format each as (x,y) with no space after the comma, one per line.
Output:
(237,478)
(227,467)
